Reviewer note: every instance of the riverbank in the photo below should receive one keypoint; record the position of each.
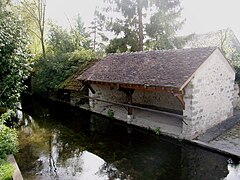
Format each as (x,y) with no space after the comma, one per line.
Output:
(17,175)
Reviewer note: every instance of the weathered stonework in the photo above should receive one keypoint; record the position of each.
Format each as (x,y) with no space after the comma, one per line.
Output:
(236,98)
(157,99)
(77,97)
(108,94)
(208,96)
(171,126)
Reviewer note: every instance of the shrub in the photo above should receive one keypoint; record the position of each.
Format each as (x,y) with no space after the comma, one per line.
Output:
(6,170)
(110,113)
(8,137)
(52,71)
(8,141)
(8,145)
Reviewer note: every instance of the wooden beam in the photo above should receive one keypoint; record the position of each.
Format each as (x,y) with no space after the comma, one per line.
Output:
(139,107)
(180,98)
(141,87)
(89,87)
(145,87)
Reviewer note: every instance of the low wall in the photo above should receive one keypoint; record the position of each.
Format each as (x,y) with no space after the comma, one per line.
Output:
(17,173)
(158,99)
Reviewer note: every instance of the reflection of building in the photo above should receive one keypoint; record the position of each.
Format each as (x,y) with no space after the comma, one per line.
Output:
(181,92)
(234,172)
(224,39)
(60,147)
(199,164)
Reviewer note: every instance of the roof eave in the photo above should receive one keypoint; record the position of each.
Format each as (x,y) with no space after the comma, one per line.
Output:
(144,87)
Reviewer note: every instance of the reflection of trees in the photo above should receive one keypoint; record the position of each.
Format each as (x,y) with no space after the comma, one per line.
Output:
(59,140)
(47,148)
(112,172)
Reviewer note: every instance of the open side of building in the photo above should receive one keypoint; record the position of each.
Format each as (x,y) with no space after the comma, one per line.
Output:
(181,93)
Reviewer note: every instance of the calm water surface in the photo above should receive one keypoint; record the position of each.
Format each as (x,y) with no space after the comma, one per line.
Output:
(58,141)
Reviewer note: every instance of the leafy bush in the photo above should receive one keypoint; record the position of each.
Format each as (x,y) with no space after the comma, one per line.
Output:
(14,59)
(8,141)
(8,145)
(157,131)
(110,113)
(53,70)
(6,170)
(8,137)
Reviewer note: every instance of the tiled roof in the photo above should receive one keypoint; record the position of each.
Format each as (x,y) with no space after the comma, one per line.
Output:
(71,83)
(171,68)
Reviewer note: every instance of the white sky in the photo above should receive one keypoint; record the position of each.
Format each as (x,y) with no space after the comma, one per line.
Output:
(201,15)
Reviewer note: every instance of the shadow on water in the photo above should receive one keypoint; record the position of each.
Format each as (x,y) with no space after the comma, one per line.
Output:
(58,141)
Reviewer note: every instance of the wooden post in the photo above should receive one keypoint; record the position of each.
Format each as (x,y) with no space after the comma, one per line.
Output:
(130,103)
(129,93)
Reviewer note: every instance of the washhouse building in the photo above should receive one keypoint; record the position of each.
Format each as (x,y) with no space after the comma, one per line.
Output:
(180,93)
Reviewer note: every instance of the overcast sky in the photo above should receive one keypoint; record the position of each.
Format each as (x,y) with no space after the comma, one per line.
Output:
(201,15)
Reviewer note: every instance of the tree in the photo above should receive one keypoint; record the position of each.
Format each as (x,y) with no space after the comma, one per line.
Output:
(59,40)
(131,29)
(14,59)
(3,4)
(97,27)
(164,24)
(80,37)
(33,13)
(66,52)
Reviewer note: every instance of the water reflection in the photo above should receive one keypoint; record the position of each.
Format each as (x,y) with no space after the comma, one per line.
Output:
(234,171)
(60,142)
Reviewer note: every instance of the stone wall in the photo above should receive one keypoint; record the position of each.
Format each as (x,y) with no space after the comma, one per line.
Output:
(164,100)
(106,93)
(236,99)
(77,97)
(208,96)
(168,125)
(158,99)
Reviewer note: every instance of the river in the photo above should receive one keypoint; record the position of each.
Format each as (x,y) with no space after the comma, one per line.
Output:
(58,141)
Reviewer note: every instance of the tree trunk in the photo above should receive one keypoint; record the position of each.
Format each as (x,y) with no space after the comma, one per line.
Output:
(42,14)
(43,45)
(140,26)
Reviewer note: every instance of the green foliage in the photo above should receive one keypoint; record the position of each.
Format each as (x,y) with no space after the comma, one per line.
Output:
(110,113)
(81,38)
(117,45)
(50,72)
(28,11)
(133,29)
(59,40)
(164,24)
(8,136)
(6,116)
(157,131)
(14,59)
(8,141)
(97,31)
(6,170)
(67,52)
